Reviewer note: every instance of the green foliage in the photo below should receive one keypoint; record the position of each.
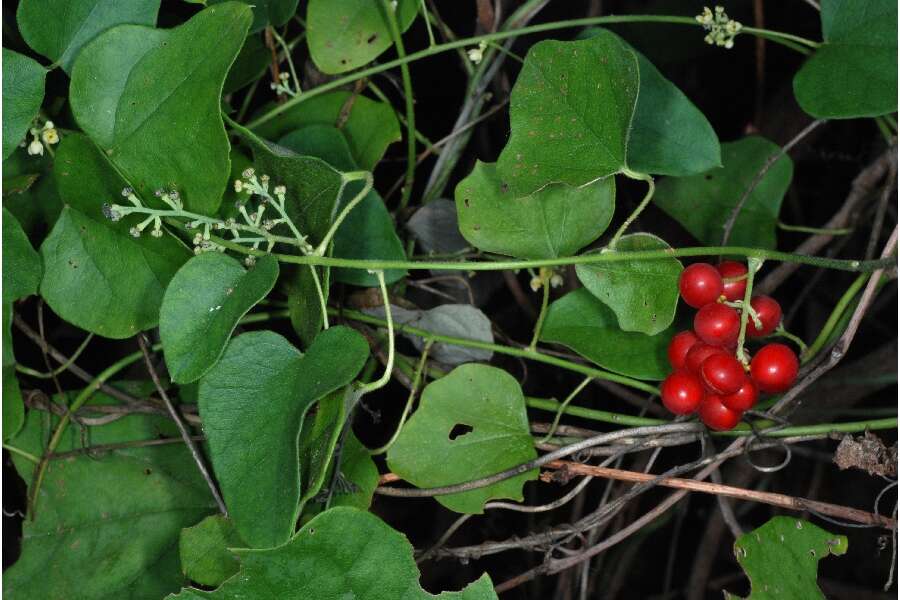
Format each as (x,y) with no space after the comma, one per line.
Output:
(265,12)
(570,113)
(149,98)
(781,558)
(23,92)
(203,550)
(703,203)
(580,321)
(250,65)
(854,72)
(13,408)
(253,404)
(557,220)
(106,525)
(341,553)
(643,294)
(346,34)
(61,34)
(434,450)
(22,264)
(117,279)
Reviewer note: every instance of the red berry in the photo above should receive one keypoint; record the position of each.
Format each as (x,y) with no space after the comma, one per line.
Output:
(730,269)
(716,415)
(700,284)
(744,398)
(774,368)
(769,313)
(717,324)
(682,392)
(722,374)
(698,353)
(679,346)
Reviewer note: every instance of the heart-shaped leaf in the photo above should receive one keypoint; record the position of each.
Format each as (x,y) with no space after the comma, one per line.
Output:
(570,113)
(854,72)
(590,328)
(203,550)
(253,403)
(60,34)
(369,126)
(118,280)
(470,423)
(150,99)
(781,558)
(23,92)
(346,34)
(557,220)
(203,304)
(107,524)
(342,553)
(703,203)
(643,294)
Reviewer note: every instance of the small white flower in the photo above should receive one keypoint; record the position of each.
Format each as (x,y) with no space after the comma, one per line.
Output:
(238,186)
(280,190)
(477,54)
(556,280)
(36,148)
(535,283)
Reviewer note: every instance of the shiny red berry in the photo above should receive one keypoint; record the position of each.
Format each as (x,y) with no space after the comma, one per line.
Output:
(717,325)
(744,398)
(769,313)
(682,392)
(731,269)
(698,353)
(700,284)
(716,415)
(679,346)
(774,368)
(722,374)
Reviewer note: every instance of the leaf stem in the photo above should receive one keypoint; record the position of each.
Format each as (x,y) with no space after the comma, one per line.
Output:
(389,367)
(413,391)
(651,187)
(545,275)
(753,265)
(408,99)
(63,367)
(562,408)
(834,318)
(346,178)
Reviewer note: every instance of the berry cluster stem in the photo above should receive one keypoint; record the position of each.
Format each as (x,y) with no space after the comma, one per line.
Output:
(753,265)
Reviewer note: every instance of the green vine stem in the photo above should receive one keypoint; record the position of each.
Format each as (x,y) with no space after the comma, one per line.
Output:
(562,407)
(346,178)
(780,331)
(651,187)
(753,265)
(63,367)
(413,392)
(408,100)
(787,39)
(389,367)
(544,277)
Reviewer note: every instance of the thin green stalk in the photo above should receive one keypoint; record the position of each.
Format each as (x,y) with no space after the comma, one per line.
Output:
(535,355)
(406,192)
(389,367)
(26,455)
(545,302)
(753,265)
(287,56)
(383,97)
(427,19)
(651,187)
(834,318)
(346,178)
(886,132)
(782,332)
(814,230)
(323,303)
(891,121)
(413,391)
(82,397)
(775,36)
(60,368)
(562,408)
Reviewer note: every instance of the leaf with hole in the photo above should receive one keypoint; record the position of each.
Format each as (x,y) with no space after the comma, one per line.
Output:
(61,34)
(119,280)
(149,98)
(643,294)
(570,113)
(203,304)
(583,323)
(253,404)
(854,72)
(346,34)
(702,204)
(557,220)
(23,92)
(470,424)
(781,558)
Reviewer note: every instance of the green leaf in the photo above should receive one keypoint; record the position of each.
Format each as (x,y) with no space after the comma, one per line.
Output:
(266,12)
(253,404)
(643,294)
(359,471)
(587,326)
(13,408)
(781,558)
(118,280)
(23,92)
(318,440)
(30,194)
(557,220)
(149,98)
(346,34)
(470,424)
(703,203)
(368,231)
(202,306)
(21,263)
(250,64)
(203,550)
(570,113)
(854,72)
(369,126)
(107,525)
(342,553)
(60,34)
(303,301)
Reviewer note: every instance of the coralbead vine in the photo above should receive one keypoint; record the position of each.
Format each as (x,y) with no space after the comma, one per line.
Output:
(712,359)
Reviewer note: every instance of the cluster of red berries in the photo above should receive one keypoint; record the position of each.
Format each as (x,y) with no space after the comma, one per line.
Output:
(708,378)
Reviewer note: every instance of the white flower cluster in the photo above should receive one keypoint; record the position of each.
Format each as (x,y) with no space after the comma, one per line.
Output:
(45,136)
(722,30)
